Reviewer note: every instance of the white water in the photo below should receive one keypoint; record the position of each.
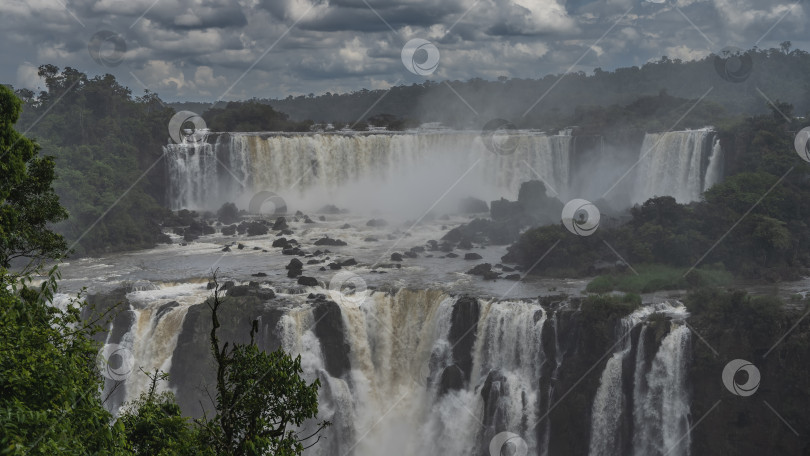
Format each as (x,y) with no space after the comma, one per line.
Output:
(681,164)
(660,401)
(407,172)
(359,171)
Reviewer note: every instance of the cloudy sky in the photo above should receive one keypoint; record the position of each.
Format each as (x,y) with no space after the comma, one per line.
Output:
(234,49)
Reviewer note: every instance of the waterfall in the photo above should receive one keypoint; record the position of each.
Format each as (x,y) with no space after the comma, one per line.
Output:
(681,164)
(658,406)
(429,373)
(316,169)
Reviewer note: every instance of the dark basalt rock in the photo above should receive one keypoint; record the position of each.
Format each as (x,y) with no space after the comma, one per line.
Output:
(330,209)
(472,205)
(229,230)
(264,294)
(452,255)
(472,256)
(396,256)
(259,274)
(480,269)
(334,266)
(512,277)
(330,332)
(462,335)
(410,254)
(240,246)
(376,223)
(281,224)
(345,226)
(294,268)
(257,229)
(371,239)
(308,281)
(452,379)
(349,262)
(281,242)
(330,242)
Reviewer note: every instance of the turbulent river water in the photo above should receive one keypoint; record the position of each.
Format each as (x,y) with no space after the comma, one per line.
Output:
(417,357)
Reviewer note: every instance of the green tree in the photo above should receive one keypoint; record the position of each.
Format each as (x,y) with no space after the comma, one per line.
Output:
(154,425)
(28,203)
(50,389)
(261,398)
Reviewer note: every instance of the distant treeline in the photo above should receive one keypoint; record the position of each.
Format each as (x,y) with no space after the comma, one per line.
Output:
(779,74)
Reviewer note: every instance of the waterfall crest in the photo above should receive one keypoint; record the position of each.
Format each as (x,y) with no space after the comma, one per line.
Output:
(681,164)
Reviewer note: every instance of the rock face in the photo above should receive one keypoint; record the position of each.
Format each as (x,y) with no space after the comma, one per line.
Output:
(193,364)
(472,205)
(330,331)
(466,312)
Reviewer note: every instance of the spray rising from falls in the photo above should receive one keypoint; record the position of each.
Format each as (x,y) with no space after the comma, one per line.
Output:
(410,171)
(358,171)
(421,372)
(681,164)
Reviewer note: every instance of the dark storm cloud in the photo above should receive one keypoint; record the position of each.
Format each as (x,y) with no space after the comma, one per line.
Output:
(198,49)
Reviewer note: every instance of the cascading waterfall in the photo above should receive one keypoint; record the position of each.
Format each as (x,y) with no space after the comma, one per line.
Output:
(340,168)
(659,406)
(413,169)
(681,164)
(429,373)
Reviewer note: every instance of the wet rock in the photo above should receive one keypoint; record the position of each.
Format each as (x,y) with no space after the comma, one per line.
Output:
(259,274)
(335,266)
(512,277)
(452,255)
(308,220)
(371,239)
(396,256)
(480,269)
(229,230)
(345,226)
(313,261)
(465,244)
(349,262)
(227,248)
(410,254)
(330,332)
(287,232)
(257,229)
(281,242)
(330,242)
(330,209)
(322,218)
(376,223)
(472,256)
(281,224)
(240,246)
(452,379)
(263,294)
(472,205)
(294,268)
(308,281)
